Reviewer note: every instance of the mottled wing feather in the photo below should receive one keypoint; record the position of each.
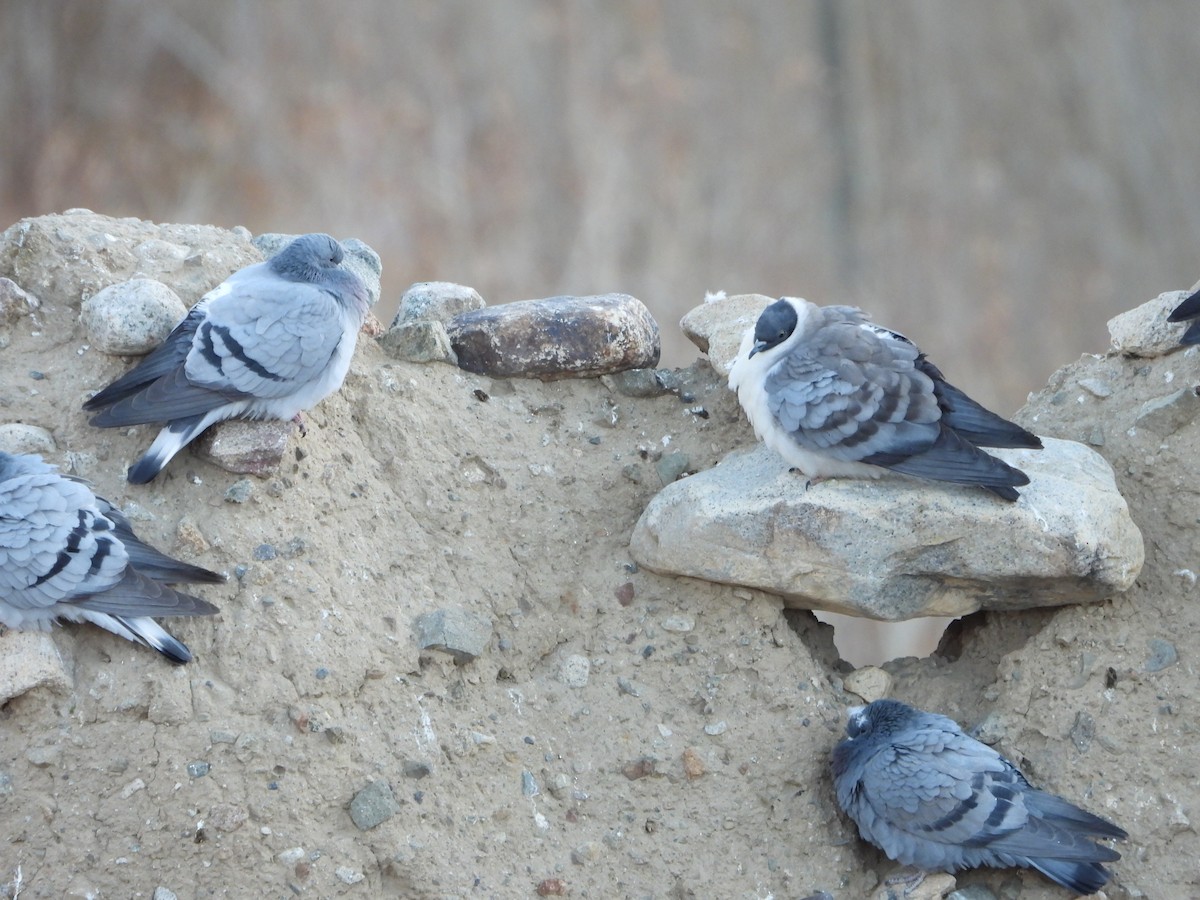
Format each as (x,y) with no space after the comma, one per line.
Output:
(65,547)
(849,393)
(265,339)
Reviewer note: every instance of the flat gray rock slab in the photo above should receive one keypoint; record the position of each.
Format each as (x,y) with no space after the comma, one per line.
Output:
(898,548)
(557,337)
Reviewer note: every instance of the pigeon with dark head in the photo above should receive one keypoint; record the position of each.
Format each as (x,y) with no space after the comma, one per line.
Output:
(270,341)
(836,395)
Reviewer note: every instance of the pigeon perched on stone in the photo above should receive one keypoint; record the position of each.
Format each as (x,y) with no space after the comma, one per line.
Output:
(272,340)
(1188,309)
(67,554)
(929,796)
(834,394)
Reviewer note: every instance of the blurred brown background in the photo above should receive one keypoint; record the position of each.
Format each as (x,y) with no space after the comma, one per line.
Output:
(994,179)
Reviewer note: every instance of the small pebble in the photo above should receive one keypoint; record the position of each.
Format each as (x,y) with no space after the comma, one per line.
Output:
(346,875)
(574,670)
(416,768)
(587,853)
(670,468)
(198,769)
(552,887)
(322,673)
(715,728)
(1162,655)
(239,491)
(264,552)
(693,765)
(291,856)
(529,785)
(678,624)
(162,893)
(625,686)
(625,593)
(639,768)
(373,805)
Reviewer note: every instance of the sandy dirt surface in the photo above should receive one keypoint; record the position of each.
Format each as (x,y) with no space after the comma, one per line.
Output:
(623,734)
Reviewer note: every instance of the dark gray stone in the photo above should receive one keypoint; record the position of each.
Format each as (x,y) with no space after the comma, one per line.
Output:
(373,805)
(455,631)
(557,337)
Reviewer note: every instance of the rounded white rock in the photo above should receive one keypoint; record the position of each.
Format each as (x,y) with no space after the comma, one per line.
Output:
(132,317)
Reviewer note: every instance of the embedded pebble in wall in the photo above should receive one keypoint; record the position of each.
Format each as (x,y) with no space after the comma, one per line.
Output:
(244,447)
(462,634)
(418,341)
(132,317)
(436,301)
(17,437)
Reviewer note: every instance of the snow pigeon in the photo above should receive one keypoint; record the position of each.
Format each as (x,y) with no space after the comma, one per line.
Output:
(271,340)
(929,796)
(834,394)
(67,554)
(1188,309)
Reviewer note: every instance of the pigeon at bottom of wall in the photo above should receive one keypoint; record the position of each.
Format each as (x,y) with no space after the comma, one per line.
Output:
(929,796)
(67,554)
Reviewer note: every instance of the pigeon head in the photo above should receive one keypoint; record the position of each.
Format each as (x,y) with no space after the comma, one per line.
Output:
(774,326)
(308,258)
(882,717)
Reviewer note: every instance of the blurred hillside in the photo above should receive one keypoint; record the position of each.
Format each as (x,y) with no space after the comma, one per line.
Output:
(994,179)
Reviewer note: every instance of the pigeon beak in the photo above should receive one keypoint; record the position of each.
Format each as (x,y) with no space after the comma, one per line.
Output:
(757,348)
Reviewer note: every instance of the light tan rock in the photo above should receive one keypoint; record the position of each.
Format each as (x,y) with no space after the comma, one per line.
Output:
(1144,330)
(131,317)
(717,325)
(28,660)
(897,548)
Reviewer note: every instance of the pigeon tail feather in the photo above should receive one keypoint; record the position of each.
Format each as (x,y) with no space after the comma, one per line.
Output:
(170,441)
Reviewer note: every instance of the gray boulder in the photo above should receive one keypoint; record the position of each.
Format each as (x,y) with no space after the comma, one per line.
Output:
(897,548)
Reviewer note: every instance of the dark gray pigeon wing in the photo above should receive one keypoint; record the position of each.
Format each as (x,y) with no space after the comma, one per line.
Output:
(937,796)
(972,422)
(1188,309)
(165,358)
(857,394)
(150,562)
